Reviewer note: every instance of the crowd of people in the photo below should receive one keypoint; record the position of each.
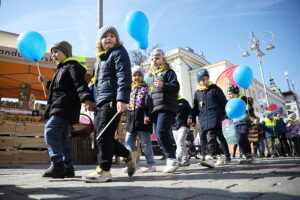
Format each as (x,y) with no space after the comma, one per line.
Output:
(153,107)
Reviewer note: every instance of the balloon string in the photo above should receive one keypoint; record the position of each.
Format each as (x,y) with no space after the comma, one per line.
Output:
(37,65)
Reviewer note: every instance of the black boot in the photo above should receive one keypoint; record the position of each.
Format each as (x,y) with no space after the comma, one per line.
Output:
(70,172)
(55,171)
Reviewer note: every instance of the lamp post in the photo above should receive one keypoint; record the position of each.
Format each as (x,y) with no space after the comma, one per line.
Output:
(100,13)
(286,74)
(255,43)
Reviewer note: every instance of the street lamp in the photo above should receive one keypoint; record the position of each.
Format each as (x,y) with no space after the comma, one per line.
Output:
(286,74)
(255,43)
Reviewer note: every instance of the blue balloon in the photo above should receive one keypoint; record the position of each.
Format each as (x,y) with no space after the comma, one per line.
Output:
(137,25)
(147,78)
(235,108)
(31,45)
(243,76)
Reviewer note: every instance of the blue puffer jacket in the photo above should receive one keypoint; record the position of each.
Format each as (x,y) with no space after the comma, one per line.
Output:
(113,77)
(281,127)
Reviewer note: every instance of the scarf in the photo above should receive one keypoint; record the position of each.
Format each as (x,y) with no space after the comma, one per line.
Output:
(98,54)
(179,97)
(160,69)
(292,120)
(204,87)
(135,84)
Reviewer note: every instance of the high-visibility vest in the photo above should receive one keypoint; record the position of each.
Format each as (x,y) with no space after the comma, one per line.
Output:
(269,122)
(80,60)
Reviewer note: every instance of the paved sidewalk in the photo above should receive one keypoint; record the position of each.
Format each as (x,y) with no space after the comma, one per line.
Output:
(266,179)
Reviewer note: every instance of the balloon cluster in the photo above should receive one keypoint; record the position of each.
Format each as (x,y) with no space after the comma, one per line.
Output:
(236,107)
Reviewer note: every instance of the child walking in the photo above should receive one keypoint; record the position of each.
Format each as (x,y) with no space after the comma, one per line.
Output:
(181,130)
(66,92)
(255,132)
(242,125)
(135,126)
(293,133)
(270,126)
(163,95)
(209,106)
(112,87)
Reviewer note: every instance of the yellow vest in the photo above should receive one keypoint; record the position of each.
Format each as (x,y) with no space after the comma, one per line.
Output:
(270,122)
(80,60)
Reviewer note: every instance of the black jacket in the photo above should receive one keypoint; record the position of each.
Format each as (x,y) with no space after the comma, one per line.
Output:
(165,99)
(183,110)
(135,121)
(66,91)
(113,77)
(212,112)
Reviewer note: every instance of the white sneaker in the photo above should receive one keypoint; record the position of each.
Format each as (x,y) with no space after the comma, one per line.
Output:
(209,162)
(171,166)
(97,177)
(148,168)
(220,161)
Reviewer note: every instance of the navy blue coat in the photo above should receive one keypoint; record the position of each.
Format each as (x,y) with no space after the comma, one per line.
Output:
(212,112)
(114,77)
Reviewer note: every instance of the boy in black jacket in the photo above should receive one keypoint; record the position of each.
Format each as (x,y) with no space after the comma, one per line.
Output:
(66,92)
(209,106)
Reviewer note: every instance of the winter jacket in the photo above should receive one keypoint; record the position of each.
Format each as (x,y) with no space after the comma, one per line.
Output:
(255,131)
(113,81)
(183,110)
(281,127)
(67,90)
(270,127)
(165,99)
(294,129)
(212,112)
(137,109)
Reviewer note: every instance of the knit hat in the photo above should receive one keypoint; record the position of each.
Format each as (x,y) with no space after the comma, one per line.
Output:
(136,69)
(267,114)
(291,115)
(201,73)
(157,52)
(107,29)
(234,89)
(64,46)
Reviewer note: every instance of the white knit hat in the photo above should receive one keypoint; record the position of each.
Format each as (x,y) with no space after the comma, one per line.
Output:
(292,115)
(137,68)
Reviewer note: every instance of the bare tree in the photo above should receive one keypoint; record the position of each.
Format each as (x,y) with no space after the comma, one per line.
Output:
(139,56)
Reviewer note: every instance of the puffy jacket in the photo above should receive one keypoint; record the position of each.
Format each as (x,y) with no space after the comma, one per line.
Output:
(212,112)
(113,81)
(137,110)
(165,99)
(67,90)
(294,129)
(183,110)
(270,127)
(281,127)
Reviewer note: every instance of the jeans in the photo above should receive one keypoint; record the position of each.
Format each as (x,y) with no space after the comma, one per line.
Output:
(180,137)
(241,134)
(57,140)
(107,144)
(261,147)
(162,122)
(145,137)
(208,141)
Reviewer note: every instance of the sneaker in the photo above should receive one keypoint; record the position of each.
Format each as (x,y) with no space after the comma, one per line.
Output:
(137,166)
(208,162)
(248,160)
(70,172)
(184,163)
(171,166)
(55,171)
(130,164)
(148,168)
(220,161)
(98,177)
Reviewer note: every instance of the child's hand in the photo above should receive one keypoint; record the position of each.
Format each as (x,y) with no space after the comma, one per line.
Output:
(147,120)
(121,107)
(190,122)
(42,79)
(158,83)
(90,106)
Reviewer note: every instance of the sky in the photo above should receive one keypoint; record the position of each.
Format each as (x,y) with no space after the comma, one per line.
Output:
(214,27)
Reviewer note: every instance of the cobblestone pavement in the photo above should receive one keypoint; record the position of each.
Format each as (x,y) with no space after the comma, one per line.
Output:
(265,179)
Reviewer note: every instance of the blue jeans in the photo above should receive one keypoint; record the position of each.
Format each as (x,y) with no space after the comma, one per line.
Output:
(261,147)
(162,122)
(145,137)
(57,140)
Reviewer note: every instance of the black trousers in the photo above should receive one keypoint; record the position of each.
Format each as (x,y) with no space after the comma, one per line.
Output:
(107,144)
(241,134)
(223,142)
(284,146)
(208,140)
